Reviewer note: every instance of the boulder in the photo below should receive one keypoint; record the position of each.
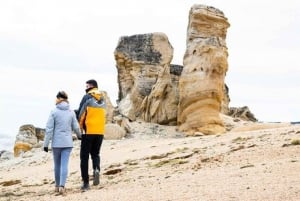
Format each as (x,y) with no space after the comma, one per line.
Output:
(27,138)
(147,81)
(114,132)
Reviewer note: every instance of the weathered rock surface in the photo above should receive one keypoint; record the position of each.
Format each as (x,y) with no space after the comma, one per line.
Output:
(6,155)
(114,132)
(147,81)
(201,84)
(110,109)
(225,101)
(27,138)
(242,112)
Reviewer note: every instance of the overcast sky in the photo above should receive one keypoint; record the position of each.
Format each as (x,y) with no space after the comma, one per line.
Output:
(52,45)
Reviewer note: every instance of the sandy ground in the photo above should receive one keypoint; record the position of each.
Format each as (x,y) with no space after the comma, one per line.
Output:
(254,162)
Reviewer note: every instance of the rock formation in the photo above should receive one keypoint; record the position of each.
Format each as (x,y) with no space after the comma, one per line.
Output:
(225,102)
(152,90)
(242,113)
(114,132)
(110,109)
(28,138)
(147,82)
(201,85)
(6,155)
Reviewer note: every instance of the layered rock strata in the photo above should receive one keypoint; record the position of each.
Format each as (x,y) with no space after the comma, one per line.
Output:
(201,85)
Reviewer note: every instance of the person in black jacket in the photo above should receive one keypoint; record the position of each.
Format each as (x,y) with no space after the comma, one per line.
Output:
(91,117)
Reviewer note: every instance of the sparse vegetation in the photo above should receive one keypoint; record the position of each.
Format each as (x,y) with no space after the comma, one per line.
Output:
(295,142)
(241,139)
(170,162)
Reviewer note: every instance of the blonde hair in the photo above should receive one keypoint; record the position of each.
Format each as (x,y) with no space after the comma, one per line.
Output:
(59,100)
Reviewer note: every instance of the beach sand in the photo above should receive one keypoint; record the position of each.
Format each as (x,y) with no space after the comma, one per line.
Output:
(253,162)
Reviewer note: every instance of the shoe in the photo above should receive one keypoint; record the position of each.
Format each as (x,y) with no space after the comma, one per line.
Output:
(56,190)
(85,187)
(96,177)
(62,191)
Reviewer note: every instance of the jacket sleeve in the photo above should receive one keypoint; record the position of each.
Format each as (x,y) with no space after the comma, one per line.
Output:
(82,115)
(75,126)
(81,105)
(83,110)
(49,129)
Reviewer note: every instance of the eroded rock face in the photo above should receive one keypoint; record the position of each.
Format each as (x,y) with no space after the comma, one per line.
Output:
(225,101)
(27,138)
(243,113)
(147,87)
(201,85)
(110,109)
(6,155)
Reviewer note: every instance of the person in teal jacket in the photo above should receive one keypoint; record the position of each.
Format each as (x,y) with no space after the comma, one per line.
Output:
(59,128)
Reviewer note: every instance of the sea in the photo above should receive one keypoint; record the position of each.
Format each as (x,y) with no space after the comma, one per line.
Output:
(7,142)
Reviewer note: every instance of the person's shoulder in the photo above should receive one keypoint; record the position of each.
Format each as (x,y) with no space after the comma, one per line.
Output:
(53,111)
(86,97)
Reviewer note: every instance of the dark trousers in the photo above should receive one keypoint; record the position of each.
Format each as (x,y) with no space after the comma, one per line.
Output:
(90,144)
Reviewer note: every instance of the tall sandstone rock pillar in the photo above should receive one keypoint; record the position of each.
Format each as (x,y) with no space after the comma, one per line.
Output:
(201,85)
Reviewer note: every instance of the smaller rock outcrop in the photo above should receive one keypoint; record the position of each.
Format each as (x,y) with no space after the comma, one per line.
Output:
(243,113)
(114,132)
(27,138)
(6,155)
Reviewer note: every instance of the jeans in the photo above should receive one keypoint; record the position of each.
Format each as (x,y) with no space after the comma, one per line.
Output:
(61,161)
(90,144)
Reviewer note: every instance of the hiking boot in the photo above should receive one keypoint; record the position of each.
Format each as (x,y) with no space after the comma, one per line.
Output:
(85,187)
(62,191)
(96,177)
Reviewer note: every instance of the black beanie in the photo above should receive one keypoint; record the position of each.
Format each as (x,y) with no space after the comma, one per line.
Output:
(62,94)
(92,82)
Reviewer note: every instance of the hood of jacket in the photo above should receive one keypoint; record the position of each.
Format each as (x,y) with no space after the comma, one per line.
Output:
(63,105)
(95,93)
